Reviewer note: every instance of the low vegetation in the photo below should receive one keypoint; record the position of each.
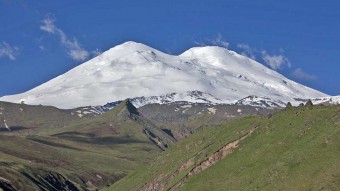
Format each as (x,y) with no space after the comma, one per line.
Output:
(88,154)
(293,149)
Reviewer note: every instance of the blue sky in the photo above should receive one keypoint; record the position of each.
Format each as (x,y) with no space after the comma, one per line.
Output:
(40,40)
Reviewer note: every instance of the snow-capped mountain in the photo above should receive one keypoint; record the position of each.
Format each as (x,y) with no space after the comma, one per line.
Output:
(135,70)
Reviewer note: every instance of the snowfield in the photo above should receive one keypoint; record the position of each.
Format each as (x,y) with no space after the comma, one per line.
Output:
(135,70)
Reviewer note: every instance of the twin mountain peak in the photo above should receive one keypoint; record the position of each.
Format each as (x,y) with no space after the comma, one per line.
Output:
(134,70)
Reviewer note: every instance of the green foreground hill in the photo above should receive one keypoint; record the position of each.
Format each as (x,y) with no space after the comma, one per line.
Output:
(294,149)
(85,155)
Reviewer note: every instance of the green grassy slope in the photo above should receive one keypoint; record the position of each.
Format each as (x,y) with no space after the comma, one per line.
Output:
(183,120)
(296,149)
(33,118)
(89,154)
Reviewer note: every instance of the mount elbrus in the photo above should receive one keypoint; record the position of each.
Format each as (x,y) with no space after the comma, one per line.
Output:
(134,70)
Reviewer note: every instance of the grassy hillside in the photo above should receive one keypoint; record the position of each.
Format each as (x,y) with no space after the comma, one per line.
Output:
(89,154)
(295,149)
(31,118)
(184,119)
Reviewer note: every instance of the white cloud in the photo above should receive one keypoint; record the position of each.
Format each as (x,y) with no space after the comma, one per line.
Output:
(220,42)
(275,62)
(199,43)
(247,51)
(73,48)
(9,51)
(49,26)
(96,52)
(300,74)
(214,42)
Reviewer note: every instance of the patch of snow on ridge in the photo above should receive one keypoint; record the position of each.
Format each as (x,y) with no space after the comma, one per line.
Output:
(188,97)
(95,110)
(260,102)
(212,110)
(330,100)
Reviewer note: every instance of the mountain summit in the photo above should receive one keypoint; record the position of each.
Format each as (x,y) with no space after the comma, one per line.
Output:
(133,70)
